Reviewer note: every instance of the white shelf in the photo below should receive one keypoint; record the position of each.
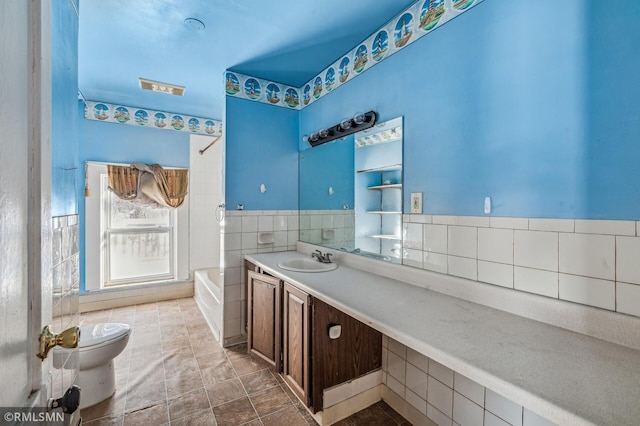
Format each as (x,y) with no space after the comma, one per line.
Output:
(397,166)
(387,186)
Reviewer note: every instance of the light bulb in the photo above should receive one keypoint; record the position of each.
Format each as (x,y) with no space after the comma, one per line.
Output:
(358,118)
(313,137)
(345,124)
(323,133)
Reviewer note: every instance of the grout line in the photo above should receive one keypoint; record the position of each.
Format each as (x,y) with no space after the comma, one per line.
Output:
(164,370)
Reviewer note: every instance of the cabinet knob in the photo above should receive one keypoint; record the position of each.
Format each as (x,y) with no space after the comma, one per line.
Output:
(335,331)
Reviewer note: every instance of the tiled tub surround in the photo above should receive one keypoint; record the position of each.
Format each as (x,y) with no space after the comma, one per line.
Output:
(329,228)
(66,285)
(567,377)
(591,262)
(249,232)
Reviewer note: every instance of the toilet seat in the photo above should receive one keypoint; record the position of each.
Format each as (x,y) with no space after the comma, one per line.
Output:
(101,334)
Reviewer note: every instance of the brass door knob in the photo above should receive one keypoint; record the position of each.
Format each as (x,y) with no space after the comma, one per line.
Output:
(67,339)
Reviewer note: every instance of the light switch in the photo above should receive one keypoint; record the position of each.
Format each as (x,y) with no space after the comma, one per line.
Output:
(487,205)
(416,202)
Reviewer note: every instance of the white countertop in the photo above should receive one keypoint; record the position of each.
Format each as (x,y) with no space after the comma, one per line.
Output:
(569,378)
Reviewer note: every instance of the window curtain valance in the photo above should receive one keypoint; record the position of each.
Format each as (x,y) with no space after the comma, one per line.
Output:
(149,184)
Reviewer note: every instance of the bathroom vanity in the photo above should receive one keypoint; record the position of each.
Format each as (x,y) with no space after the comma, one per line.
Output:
(567,377)
(314,345)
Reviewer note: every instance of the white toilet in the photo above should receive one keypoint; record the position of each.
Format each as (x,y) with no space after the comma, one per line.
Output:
(98,346)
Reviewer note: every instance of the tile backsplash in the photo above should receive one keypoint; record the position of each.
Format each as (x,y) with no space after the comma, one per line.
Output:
(329,228)
(445,396)
(65,303)
(591,262)
(250,232)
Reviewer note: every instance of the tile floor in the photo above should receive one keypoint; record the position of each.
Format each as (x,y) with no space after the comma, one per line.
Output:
(173,373)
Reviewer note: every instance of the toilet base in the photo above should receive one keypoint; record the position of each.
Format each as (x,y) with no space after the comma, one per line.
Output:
(96,384)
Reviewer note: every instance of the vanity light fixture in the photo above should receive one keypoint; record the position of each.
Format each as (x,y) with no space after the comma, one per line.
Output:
(346,127)
(158,86)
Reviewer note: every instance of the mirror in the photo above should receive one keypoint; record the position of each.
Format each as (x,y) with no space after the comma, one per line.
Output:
(351,193)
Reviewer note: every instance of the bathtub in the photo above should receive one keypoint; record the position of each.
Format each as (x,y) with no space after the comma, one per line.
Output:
(208,296)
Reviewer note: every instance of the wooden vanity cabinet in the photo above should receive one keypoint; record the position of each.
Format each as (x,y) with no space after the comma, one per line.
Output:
(286,323)
(263,317)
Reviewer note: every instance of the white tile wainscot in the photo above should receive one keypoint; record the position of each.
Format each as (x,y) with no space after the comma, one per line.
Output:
(451,361)
(591,262)
(245,232)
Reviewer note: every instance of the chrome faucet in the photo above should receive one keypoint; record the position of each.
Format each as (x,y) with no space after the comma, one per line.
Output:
(321,257)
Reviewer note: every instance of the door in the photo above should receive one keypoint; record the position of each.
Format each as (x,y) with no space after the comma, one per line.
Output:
(263,335)
(25,188)
(296,327)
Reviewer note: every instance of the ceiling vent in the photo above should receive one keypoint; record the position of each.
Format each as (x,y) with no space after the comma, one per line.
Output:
(158,86)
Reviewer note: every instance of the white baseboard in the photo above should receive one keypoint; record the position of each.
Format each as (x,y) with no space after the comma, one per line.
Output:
(116,298)
(346,408)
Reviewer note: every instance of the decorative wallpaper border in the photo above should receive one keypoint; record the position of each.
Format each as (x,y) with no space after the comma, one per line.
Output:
(412,24)
(256,89)
(120,114)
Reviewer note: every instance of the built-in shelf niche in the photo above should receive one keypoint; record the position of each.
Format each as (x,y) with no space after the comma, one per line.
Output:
(378,191)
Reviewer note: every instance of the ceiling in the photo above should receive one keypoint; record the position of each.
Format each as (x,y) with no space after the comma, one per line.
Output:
(286,41)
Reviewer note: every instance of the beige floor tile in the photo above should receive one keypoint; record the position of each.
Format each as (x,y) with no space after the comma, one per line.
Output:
(112,405)
(235,413)
(288,416)
(156,414)
(115,420)
(220,372)
(227,391)
(248,364)
(173,370)
(184,382)
(270,400)
(188,403)
(200,418)
(258,381)
(145,394)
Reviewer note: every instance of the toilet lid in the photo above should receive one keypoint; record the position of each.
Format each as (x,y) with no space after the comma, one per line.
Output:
(100,333)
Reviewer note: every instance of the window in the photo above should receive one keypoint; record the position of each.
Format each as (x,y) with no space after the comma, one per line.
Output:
(138,241)
(127,243)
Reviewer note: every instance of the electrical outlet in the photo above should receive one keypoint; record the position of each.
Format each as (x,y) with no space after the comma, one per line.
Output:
(416,202)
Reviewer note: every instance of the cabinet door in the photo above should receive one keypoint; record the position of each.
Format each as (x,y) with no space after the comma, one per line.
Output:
(248,266)
(296,341)
(263,334)
(357,351)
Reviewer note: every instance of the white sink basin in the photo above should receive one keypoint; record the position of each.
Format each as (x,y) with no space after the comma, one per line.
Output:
(306,264)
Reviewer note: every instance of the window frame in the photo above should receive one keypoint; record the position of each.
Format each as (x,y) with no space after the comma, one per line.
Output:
(96,246)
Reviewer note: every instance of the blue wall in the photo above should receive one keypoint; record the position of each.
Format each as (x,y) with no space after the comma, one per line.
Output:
(64,117)
(261,147)
(535,106)
(118,143)
(327,165)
